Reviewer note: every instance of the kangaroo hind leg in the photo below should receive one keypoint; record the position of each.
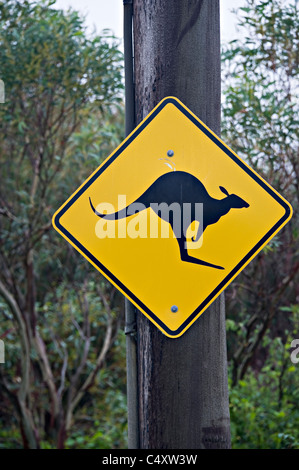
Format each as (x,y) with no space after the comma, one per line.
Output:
(191,259)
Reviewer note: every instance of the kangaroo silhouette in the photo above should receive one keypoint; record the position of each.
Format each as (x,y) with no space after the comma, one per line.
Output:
(182,187)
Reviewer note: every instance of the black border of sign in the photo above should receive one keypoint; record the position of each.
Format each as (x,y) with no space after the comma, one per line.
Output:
(113,157)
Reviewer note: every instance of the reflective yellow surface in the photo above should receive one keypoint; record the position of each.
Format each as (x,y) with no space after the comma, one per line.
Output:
(151,268)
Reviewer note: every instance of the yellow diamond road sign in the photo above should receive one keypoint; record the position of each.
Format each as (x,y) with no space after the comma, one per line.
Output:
(172,216)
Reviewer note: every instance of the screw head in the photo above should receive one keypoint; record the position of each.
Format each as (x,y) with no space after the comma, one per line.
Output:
(170,153)
(174,308)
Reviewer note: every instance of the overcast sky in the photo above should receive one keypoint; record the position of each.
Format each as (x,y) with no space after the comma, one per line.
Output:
(102,14)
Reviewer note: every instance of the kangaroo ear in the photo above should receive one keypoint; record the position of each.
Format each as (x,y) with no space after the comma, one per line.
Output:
(224,190)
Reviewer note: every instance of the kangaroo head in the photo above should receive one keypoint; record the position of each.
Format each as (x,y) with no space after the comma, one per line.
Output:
(235,201)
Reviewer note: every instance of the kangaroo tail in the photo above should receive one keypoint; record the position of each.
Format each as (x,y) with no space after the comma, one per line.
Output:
(115,216)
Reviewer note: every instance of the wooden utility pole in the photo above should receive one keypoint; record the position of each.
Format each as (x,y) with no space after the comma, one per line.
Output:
(182,383)
(182,390)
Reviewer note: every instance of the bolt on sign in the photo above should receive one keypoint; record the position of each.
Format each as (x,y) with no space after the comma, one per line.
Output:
(172,216)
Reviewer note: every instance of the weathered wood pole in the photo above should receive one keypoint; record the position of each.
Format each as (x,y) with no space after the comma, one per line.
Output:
(182,383)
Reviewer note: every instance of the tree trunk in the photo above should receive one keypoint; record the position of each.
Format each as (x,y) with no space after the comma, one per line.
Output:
(182,383)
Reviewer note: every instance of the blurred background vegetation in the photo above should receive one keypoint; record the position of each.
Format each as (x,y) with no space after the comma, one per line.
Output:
(63,384)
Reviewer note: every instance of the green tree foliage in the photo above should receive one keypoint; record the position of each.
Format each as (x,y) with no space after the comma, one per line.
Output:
(264,404)
(260,122)
(59,319)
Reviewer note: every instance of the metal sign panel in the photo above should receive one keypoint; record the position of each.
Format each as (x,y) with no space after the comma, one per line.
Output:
(172,216)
